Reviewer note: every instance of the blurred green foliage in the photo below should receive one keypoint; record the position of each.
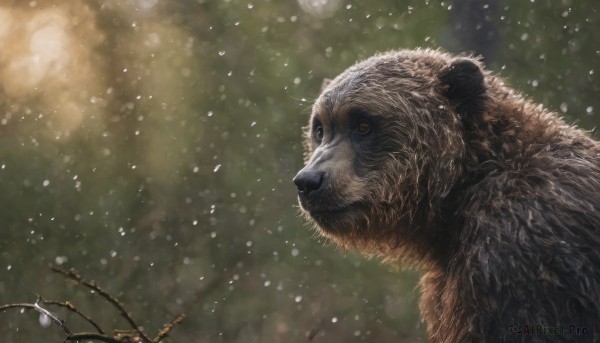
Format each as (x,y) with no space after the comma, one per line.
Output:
(151,145)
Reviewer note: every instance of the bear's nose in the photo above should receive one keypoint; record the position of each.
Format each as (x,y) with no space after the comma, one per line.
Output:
(308,181)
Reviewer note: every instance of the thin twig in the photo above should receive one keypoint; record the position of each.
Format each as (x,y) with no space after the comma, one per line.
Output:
(168,327)
(21,305)
(72,274)
(59,322)
(54,318)
(121,336)
(72,308)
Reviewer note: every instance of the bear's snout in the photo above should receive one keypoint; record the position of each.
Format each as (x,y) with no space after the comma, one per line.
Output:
(309,182)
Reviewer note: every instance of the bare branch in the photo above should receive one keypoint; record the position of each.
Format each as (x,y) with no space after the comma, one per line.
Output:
(120,336)
(55,319)
(20,305)
(59,322)
(168,327)
(73,309)
(74,275)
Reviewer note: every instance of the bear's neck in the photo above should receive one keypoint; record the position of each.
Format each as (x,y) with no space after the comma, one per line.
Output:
(511,135)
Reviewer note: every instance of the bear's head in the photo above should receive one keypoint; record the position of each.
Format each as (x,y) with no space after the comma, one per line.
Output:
(384,146)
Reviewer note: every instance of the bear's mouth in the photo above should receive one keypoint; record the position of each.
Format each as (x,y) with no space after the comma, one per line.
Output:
(325,216)
(328,212)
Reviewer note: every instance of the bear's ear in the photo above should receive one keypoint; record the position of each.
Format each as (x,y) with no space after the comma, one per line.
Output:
(325,83)
(464,86)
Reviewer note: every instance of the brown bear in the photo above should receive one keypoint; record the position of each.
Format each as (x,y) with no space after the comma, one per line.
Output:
(427,159)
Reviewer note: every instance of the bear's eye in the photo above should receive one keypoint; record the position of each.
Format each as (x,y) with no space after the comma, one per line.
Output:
(319,132)
(363,128)
(361,123)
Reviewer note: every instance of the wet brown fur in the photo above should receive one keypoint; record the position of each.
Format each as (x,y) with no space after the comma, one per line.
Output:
(496,199)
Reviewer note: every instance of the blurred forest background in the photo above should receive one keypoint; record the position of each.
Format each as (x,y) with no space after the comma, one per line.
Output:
(151,144)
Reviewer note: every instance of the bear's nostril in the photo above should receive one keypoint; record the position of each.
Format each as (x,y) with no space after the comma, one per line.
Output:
(308,181)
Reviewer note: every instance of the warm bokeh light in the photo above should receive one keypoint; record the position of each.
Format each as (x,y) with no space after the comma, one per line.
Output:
(50,57)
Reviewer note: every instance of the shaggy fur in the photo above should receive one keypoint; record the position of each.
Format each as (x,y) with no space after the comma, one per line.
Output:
(427,159)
